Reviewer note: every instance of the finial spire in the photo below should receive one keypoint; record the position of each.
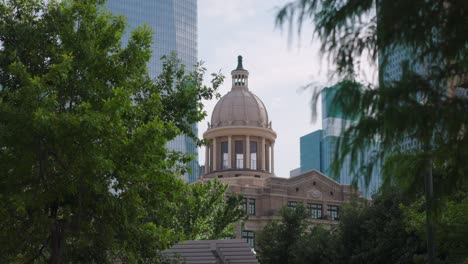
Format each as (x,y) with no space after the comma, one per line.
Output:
(239,63)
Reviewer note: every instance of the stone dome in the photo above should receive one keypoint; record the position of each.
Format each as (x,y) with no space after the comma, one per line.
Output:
(240,107)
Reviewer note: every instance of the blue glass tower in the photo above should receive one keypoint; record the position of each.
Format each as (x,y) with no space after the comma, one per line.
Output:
(174,24)
(318,149)
(311,151)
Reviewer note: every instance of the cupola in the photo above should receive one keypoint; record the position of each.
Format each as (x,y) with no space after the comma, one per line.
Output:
(241,139)
(240,107)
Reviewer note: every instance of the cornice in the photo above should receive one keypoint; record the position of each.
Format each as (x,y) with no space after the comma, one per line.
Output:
(240,131)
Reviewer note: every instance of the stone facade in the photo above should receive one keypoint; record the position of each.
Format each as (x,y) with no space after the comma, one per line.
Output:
(273,193)
(241,154)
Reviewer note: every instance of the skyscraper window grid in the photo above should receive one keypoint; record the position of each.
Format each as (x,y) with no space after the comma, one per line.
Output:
(174,24)
(318,149)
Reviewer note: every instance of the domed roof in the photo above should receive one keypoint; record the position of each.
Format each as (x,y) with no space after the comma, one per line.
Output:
(239,107)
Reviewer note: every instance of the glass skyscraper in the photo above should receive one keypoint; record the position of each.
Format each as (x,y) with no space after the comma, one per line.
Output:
(311,151)
(392,70)
(318,149)
(174,24)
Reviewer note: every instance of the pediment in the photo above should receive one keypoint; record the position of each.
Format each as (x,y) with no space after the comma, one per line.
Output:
(313,176)
(313,185)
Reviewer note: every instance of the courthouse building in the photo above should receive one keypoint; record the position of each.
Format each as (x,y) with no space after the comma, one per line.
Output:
(241,153)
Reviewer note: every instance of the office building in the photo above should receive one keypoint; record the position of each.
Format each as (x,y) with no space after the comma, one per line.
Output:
(174,25)
(311,151)
(318,149)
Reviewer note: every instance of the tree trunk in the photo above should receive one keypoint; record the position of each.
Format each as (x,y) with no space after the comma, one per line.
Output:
(429,192)
(56,241)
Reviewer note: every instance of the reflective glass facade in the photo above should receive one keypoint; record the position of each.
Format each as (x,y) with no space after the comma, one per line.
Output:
(311,151)
(318,149)
(393,70)
(174,24)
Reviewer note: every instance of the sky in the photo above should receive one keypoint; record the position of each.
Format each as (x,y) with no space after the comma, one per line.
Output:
(278,68)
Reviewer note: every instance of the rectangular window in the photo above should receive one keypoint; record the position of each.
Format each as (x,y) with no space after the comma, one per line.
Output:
(248,206)
(250,237)
(239,146)
(292,204)
(315,211)
(333,212)
(251,206)
(253,155)
(224,155)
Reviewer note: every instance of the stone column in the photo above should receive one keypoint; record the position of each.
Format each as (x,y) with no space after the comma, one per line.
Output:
(207,159)
(272,161)
(230,152)
(247,151)
(263,153)
(267,157)
(214,154)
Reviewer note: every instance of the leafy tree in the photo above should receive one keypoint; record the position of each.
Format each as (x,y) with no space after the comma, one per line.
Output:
(276,241)
(318,245)
(367,233)
(85,175)
(452,227)
(207,214)
(378,233)
(420,107)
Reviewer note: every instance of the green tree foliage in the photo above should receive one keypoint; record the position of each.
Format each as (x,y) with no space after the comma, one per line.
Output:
(85,175)
(452,227)
(421,108)
(377,233)
(374,233)
(417,106)
(318,245)
(349,30)
(278,238)
(207,214)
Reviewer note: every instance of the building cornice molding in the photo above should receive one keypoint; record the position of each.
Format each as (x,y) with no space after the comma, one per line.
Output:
(240,131)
